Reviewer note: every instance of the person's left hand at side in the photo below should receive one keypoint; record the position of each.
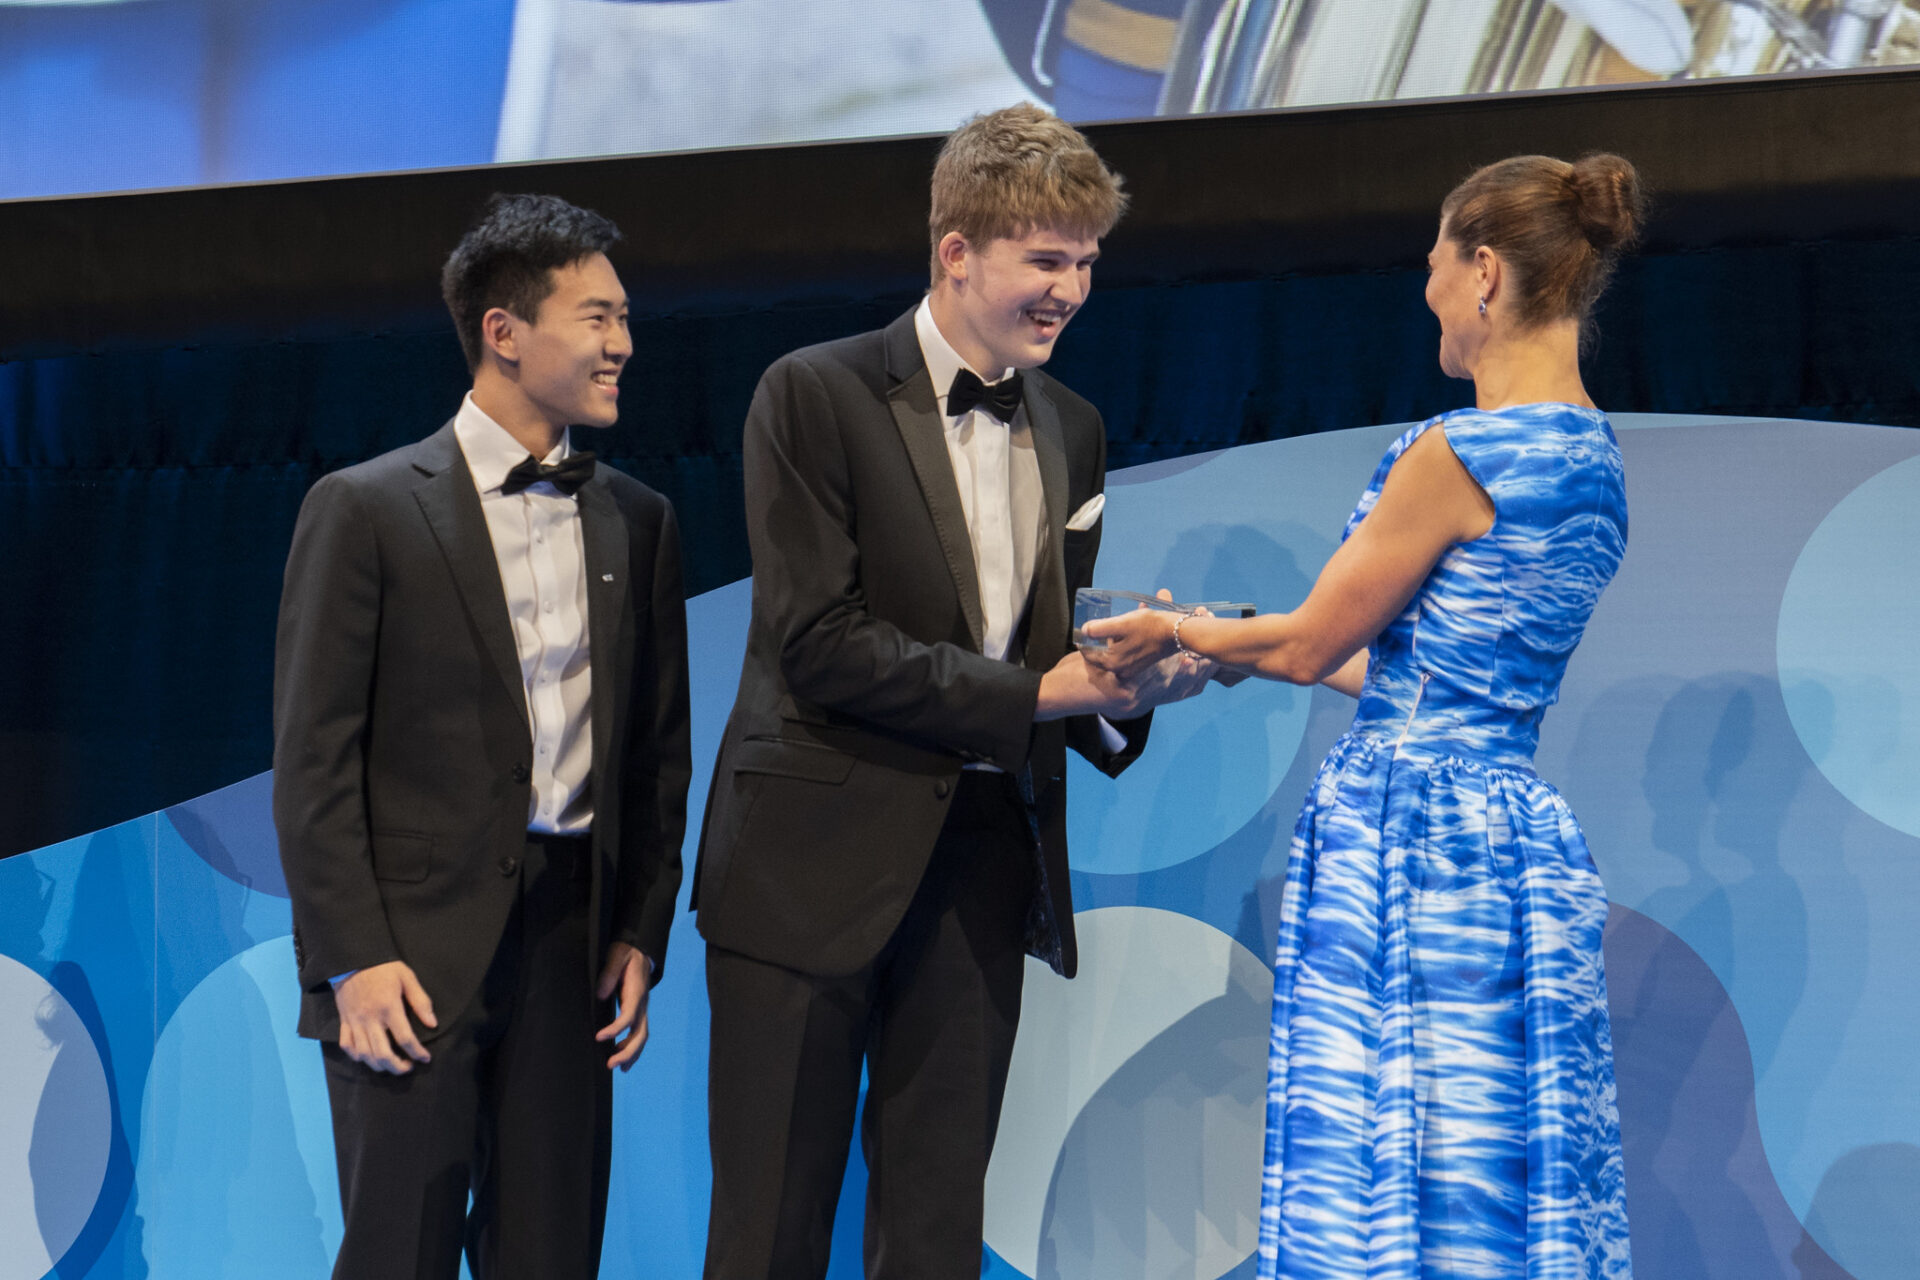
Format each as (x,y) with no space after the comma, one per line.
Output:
(626,977)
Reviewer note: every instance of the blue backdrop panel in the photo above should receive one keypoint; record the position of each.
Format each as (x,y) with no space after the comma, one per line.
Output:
(1736,735)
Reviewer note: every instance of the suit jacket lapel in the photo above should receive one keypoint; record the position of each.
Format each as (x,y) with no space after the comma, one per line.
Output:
(1051,611)
(452,507)
(603,537)
(916,413)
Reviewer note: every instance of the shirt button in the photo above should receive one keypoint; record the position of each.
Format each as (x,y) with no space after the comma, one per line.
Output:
(509,865)
(941,788)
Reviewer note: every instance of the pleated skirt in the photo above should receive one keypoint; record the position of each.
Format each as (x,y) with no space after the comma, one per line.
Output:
(1440,1096)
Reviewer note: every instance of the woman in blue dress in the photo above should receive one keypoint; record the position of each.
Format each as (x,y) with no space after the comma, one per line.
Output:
(1440,1097)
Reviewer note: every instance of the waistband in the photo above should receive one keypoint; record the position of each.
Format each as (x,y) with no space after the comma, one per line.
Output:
(1416,714)
(570,856)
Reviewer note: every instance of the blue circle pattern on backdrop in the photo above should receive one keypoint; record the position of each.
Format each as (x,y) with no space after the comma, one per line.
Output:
(235,1168)
(1849,646)
(1143,1157)
(56,1123)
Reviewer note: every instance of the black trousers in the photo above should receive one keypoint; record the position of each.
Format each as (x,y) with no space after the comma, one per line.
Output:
(515,1108)
(933,1018)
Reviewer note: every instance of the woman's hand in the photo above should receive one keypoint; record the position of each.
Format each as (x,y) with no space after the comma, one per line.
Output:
(1135,641)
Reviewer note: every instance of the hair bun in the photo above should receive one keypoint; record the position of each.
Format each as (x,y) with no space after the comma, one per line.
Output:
(1607,200)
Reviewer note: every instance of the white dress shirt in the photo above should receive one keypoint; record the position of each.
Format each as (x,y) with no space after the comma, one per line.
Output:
(999,479)
(543,569)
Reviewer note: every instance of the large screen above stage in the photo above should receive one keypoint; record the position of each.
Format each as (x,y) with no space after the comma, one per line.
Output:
(103,95)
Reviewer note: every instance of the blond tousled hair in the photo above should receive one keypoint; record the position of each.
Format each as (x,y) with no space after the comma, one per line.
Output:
(1010,172)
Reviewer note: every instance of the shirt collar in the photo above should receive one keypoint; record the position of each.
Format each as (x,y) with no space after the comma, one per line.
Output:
(490,451)
(943,362)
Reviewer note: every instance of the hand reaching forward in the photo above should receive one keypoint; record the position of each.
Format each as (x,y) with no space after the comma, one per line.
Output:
(1076,686)
(629,973)
(1135,641)
(374,1029)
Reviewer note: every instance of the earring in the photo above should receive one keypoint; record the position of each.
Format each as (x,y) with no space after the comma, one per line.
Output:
(1483,306)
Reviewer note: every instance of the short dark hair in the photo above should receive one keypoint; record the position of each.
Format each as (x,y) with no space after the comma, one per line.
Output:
(509,256)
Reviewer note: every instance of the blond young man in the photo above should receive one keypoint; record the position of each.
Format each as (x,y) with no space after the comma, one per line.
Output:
(886,835)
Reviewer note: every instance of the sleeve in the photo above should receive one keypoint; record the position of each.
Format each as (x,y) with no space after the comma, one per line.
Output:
(659,762)
(1483,446)
(1088,735)
(324,664)
(806,563)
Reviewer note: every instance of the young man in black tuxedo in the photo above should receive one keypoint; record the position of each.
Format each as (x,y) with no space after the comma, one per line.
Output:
(886,833)
(480,774)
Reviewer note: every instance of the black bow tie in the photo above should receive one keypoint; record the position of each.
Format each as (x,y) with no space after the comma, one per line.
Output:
(567,476)
(1002,399)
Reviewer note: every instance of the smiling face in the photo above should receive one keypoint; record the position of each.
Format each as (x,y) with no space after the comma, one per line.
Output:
(1455,286)
(567,361)
(1003,304)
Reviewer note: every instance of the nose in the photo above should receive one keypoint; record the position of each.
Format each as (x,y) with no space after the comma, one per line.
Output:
(619,343)
(1073,286)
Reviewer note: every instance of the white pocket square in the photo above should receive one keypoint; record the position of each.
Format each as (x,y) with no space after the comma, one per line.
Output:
(1085,518)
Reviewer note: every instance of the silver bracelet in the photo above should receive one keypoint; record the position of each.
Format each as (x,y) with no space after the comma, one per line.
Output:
(1180,644)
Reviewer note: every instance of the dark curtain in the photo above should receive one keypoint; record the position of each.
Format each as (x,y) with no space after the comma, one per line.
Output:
(147,497)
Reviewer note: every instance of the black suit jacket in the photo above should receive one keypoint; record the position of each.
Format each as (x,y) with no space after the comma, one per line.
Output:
(402,750)
(864,690)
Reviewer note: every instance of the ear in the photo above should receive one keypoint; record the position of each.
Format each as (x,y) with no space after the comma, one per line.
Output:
(499,334)
(1487,269)
(952,254)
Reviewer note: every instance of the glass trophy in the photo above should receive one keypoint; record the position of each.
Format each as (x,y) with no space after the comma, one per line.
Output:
(1090,603)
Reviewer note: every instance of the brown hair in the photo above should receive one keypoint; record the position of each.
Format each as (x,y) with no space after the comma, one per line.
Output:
(1007,173)
(1560,228)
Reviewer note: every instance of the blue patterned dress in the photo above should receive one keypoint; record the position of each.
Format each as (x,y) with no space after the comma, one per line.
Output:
(1440,1097)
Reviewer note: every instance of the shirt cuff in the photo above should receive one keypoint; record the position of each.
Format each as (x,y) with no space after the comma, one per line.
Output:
(339,978)
(1115,740)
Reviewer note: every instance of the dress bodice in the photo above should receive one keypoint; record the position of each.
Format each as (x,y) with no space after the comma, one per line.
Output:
(1477,655)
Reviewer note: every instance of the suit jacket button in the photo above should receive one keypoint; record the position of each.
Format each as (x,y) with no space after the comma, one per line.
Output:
(521,773)
(941,788)
(509,865)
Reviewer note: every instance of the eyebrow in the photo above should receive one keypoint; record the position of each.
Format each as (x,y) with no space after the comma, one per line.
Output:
(601,304)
